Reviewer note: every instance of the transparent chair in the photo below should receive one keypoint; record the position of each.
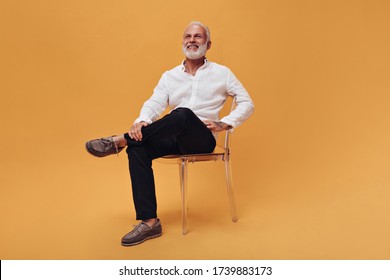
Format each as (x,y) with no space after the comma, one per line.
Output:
(221,153)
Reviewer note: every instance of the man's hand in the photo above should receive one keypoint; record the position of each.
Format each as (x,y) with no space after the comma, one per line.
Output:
(217,126)
(135,131)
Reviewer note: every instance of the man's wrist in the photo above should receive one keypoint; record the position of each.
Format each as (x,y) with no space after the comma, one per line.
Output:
(224,126)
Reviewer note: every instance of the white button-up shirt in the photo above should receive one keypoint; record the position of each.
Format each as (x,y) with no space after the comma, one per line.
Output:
(204,93)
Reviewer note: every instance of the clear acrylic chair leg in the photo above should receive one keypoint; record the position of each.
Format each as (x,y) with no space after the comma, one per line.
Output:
(229,184)
(183,185)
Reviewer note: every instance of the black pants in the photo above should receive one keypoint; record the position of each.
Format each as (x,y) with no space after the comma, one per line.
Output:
(179,132)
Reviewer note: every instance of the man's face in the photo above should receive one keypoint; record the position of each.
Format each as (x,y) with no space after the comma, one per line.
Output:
(195,43)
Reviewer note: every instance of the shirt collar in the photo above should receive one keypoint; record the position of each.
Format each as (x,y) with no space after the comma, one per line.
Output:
(205,64)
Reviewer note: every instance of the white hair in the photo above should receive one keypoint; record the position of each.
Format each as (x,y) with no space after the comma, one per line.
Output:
(204,26)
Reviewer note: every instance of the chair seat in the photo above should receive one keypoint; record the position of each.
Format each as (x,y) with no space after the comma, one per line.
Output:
(218,154)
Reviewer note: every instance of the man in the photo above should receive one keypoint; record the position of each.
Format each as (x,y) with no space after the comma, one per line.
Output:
(195,91)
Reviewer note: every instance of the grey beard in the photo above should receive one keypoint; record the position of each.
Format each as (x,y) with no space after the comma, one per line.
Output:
(201,51)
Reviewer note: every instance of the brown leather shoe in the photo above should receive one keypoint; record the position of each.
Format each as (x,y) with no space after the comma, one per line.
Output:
(103,147)
(141,233)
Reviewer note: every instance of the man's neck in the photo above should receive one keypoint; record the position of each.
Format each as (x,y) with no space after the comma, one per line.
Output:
(192,65)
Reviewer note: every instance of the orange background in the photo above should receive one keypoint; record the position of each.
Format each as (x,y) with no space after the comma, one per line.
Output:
(311,166)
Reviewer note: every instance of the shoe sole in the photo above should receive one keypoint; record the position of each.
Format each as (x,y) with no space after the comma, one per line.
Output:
(141,241)
(100,155)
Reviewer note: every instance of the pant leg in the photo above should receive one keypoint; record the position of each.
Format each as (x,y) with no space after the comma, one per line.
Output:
(182,132)
(192,135)
(142,177)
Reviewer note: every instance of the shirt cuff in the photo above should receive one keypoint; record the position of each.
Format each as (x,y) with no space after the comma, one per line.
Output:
(142,119)
(226,120)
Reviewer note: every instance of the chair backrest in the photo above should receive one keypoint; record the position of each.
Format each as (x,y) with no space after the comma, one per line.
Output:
(228,133)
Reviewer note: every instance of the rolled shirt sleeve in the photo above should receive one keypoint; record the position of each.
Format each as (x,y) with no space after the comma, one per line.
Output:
(244,104)
(156,104)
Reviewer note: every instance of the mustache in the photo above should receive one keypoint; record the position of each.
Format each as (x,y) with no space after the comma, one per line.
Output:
(191,45)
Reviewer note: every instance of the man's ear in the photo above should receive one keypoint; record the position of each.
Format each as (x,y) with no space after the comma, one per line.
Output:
(208,44)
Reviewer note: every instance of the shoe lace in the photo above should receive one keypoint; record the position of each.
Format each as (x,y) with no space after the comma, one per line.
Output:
(110,140)
(116,147)
(137,229)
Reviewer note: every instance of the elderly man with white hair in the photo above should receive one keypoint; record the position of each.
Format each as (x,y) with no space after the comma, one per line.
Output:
(195,91)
